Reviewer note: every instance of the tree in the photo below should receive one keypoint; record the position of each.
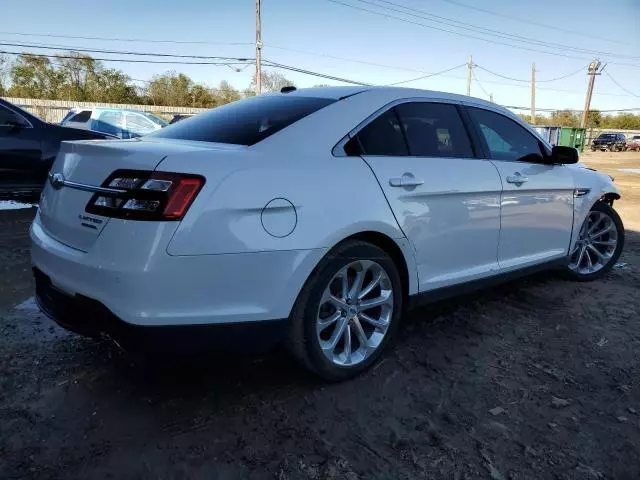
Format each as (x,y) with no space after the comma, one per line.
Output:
(272,82)
(172,89)
(113,86)
(594,119)
(226,93)
(34,77)
(4,74)
(564,118)
(203,97)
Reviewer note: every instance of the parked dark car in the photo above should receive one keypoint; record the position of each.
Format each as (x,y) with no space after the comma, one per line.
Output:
(28,146)
(180,116)
(610,141)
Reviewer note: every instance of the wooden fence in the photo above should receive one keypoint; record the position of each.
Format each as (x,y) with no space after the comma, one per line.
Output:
(55,110)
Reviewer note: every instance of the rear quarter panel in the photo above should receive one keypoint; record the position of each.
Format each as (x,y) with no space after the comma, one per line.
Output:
(333,198)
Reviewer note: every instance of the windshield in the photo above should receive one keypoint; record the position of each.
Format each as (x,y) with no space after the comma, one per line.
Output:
(607,135)
(244,122)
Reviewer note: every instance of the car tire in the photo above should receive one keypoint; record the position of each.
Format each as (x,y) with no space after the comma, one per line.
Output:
(608,245)
(313,317)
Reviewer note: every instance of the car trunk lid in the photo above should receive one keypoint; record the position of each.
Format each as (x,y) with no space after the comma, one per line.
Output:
(83,167)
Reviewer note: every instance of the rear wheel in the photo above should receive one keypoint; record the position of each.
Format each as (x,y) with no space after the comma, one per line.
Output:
(599,244)
(347,312)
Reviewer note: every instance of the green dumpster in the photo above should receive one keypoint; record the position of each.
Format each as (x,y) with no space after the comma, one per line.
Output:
(572,137)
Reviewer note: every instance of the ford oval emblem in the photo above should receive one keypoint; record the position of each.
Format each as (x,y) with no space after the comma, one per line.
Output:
(56,180)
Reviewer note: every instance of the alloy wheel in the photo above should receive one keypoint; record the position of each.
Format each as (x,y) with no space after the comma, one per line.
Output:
(596,244)
(355,312)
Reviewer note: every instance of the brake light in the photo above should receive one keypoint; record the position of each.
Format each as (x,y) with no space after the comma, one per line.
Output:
(142,195)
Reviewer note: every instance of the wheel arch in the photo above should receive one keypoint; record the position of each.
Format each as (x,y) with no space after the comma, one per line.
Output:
(391,247)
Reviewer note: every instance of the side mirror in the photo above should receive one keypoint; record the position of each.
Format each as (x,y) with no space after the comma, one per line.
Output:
(564,155)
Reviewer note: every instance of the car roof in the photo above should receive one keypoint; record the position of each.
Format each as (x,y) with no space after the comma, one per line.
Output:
(385,91)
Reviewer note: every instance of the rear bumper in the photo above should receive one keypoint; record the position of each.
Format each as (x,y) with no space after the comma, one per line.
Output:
(91,318)
(135,279)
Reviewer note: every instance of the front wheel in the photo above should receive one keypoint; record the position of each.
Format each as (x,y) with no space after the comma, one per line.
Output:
(347,312)
(599,244)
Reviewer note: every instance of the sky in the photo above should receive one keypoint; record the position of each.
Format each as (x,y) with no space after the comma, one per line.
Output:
(405,39)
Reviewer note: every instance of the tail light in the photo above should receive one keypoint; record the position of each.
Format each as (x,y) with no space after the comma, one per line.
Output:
(143,195)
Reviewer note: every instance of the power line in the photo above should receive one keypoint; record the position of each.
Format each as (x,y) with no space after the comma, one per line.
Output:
(130,60)
(572,109)
(479,84)
(468,26)
(544,25)
(124,52)
(315,74)
(521,47)
(426,76)
(529,80)
(141,40)
(621,87)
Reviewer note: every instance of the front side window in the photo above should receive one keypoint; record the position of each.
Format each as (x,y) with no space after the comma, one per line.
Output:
(9,118)
(434,130)
(506,139)
(245,122)
(81,117)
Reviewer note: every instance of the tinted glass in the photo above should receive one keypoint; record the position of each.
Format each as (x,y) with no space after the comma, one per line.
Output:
(244,122)
(383,136)
(9,118)
(505,138)
(81,117)
(434,130)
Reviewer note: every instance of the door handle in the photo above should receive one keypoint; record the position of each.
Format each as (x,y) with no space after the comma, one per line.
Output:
(517,178)
(407,180)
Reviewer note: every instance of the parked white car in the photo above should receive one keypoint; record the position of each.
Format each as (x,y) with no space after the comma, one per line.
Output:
(114,121)
(318,214)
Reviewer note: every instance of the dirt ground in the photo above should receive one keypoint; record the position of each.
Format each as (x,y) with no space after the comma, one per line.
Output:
(534,379)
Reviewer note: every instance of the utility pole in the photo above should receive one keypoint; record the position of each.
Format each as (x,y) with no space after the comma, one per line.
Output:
(491,97)
(594,69)
(258,50)
(469,74)
(533,93)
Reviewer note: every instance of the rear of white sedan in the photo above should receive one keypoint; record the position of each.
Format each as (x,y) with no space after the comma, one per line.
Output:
(216,221)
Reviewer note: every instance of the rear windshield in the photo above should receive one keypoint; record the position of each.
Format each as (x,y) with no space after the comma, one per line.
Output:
(244,122)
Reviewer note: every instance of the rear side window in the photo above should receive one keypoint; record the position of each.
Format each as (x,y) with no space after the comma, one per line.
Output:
(245,122)
(383,136)
(111,122)
(81,117)
(137,125)
(505,139)
(434,130)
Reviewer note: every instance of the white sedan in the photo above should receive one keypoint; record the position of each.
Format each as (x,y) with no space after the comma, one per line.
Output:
(316,215)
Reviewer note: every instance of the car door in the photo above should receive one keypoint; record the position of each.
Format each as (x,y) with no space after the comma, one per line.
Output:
(20,150)
(537,197)
(446,200)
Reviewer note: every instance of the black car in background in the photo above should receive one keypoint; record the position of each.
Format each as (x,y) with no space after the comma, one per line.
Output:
(610,141)
(28,147)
